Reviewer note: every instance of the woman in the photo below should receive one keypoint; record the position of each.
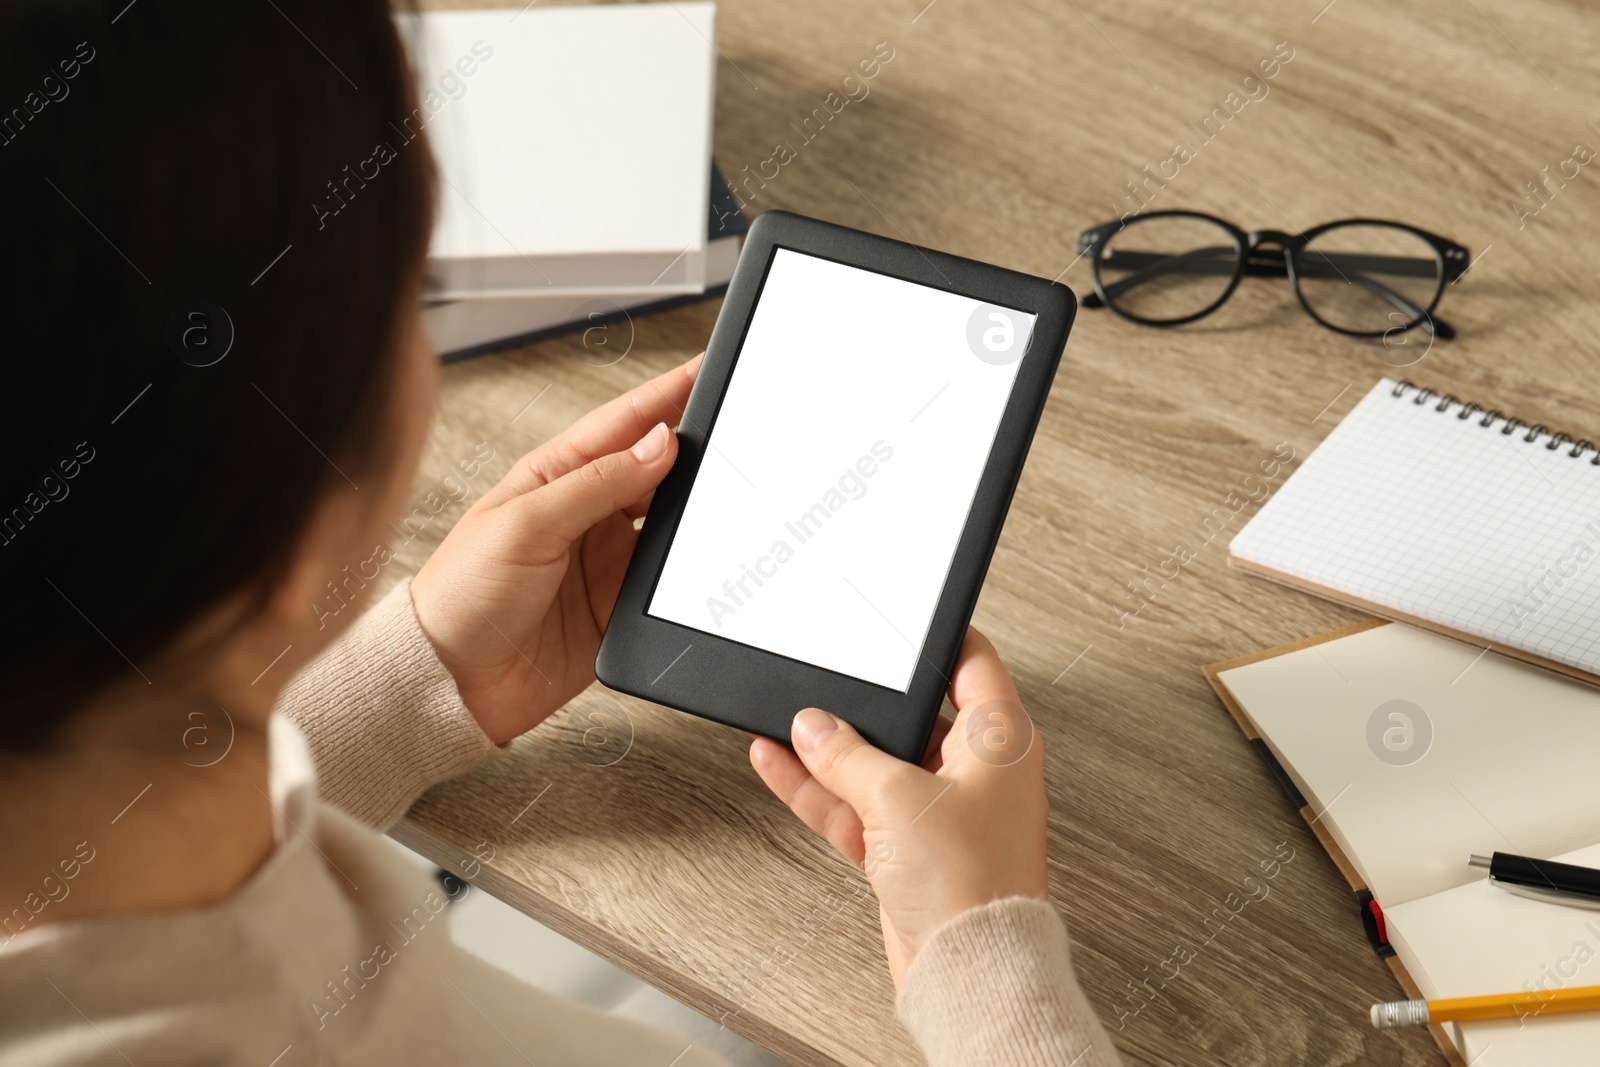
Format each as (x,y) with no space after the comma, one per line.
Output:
(219,392)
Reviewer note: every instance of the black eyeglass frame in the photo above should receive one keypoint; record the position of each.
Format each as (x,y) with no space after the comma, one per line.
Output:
(1274,253)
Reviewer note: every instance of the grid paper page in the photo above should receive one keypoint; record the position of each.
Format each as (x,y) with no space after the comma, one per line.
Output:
(1440,517)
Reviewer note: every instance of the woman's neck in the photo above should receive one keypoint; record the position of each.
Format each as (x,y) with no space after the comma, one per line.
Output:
(149,806)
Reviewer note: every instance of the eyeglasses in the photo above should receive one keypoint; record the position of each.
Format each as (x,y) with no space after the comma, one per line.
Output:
(1363,277)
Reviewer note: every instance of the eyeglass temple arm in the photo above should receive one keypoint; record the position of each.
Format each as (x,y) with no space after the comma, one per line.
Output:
(1147,266)
(1434,326)
(1389,264)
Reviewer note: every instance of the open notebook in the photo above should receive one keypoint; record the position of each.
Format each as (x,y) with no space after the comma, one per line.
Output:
(1487,754)
(1438,513)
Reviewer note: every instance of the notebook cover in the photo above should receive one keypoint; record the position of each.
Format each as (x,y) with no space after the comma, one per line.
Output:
(1398,616)
(1313,819)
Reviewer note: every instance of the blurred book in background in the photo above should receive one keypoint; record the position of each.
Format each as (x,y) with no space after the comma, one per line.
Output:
(574,153)
(476,326)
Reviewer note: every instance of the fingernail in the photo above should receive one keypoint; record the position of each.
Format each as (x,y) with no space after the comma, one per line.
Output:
(811,726)
(652,445)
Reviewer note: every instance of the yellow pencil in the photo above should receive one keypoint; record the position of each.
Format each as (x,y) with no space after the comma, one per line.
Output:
(1499,1006)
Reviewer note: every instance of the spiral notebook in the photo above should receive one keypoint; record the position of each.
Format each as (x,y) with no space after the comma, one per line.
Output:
(1437,512)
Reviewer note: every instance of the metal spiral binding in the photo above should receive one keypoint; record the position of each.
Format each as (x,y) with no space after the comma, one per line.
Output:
(1510,423)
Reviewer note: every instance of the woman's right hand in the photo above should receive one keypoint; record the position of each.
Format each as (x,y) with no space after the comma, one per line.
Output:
(964,829)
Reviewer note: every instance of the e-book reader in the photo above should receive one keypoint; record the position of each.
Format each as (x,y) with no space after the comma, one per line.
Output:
(846,460)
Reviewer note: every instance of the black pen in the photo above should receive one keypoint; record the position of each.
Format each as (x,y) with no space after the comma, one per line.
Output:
(1558,883)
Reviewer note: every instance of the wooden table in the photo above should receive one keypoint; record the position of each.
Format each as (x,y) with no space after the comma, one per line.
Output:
(998,132)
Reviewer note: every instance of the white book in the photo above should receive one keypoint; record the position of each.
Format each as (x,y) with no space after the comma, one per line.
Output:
(1413,751)
(1439,513)
(476,325)
(574,146)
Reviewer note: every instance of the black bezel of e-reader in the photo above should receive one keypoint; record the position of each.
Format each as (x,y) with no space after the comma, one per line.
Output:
(761,691)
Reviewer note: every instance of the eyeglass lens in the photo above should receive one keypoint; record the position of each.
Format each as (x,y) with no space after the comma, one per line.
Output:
(1368,278)
(1166,268)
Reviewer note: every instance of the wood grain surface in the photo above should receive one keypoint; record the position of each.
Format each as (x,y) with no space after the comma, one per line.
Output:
(999,131)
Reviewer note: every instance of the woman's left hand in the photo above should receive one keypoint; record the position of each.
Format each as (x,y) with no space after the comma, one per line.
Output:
(517,596)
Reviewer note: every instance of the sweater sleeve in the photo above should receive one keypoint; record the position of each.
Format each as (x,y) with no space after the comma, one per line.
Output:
(382,715)
(995,985)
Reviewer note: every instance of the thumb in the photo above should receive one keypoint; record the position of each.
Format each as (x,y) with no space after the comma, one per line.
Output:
(569,506)
(844,763)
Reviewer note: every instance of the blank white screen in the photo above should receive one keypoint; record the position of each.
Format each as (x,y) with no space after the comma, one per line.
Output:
(841,468)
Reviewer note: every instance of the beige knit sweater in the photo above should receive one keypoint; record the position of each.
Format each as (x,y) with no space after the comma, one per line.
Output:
(337,951)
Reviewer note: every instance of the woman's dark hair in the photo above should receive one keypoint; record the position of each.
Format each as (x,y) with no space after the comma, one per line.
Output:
(211,214)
